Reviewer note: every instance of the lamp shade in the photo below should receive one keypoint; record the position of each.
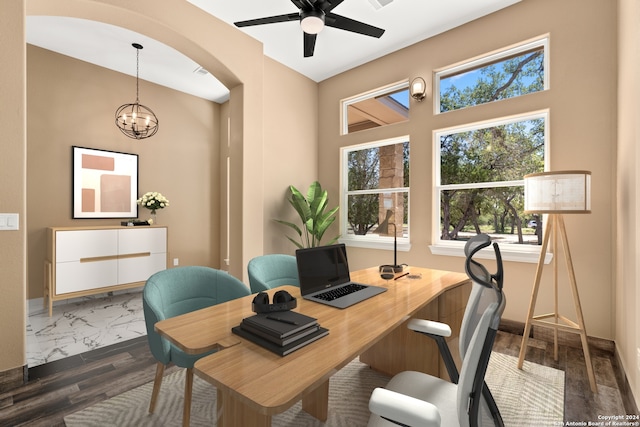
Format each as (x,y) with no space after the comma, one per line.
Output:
(558,192)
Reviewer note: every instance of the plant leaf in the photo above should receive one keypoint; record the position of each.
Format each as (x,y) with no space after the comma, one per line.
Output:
(318,203)
(300,204)
(290,224)
(312,193)
(295,243)
(323,225)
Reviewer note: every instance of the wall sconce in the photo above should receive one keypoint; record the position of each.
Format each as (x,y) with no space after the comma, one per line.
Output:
(418,89)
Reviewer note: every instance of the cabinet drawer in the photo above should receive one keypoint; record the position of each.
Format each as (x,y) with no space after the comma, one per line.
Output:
(139,269)
(141,240)
(81,244)
(79,276)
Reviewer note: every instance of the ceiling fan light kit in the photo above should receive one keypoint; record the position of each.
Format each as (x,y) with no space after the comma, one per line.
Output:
(313,16)
(312,21)
(136,120)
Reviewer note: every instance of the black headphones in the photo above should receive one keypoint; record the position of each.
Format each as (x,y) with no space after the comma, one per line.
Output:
(282,301)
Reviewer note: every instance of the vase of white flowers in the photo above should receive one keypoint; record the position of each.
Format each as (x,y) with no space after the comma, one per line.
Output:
(153,201)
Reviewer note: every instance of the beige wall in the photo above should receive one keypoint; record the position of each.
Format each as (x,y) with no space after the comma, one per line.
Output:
(13,184)
(70,102)
(582,104)
(290,156)
(627,334)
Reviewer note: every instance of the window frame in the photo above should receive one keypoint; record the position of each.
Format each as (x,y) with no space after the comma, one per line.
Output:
(372,241)
(510,252)
(478,62)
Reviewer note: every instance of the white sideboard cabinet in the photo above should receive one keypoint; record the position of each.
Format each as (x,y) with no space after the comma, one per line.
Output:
(89,260)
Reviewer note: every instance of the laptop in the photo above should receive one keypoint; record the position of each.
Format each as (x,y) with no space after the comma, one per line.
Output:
(323,272)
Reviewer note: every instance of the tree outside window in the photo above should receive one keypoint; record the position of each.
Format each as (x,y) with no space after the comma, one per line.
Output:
(481,187)
(480,167)
(508,74)
(377,177)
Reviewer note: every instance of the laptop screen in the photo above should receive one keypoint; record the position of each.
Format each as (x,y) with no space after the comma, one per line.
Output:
(322,267)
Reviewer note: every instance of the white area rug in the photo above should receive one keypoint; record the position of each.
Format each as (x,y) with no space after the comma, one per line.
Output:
(533,396)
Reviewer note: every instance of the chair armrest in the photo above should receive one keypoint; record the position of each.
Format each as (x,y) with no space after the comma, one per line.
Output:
(438,331)
(430,327)
(403,409)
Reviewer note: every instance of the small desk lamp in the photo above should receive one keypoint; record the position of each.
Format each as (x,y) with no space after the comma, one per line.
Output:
(557,193)
(383,228)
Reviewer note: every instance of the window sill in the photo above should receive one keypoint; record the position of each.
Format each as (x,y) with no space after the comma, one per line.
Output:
(404,245)
(508,253)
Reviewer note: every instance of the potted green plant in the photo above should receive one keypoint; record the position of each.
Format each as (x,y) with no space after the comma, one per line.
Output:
(311,209)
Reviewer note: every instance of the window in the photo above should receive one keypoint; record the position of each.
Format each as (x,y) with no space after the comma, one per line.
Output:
(377,108)
(375,193)
(507,74)
(479,179)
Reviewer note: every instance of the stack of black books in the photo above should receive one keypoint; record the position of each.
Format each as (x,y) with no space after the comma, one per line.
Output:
(281,332)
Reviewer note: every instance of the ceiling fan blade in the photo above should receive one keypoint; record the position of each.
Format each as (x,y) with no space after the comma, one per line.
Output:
(309,44)
(328,5)
(343,23)
(268,20)
(300,4)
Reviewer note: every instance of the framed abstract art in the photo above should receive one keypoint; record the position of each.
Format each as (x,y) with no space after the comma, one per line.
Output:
(105,184)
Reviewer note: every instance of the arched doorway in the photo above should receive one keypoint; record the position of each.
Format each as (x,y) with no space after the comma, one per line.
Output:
(215,46)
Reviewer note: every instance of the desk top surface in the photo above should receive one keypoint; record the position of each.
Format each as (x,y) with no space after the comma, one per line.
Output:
(251,372)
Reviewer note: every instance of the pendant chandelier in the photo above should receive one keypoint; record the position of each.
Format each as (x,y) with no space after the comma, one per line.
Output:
(135,120)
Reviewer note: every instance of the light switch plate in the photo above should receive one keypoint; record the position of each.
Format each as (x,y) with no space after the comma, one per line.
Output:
(9,221)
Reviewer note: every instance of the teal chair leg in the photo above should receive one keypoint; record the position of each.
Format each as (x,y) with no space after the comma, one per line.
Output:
(188,392)
(157,382)
(188,387)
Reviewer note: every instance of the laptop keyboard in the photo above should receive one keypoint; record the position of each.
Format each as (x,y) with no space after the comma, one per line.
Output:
(333,294)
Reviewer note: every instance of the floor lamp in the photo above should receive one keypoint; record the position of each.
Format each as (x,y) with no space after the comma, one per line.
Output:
(556,194)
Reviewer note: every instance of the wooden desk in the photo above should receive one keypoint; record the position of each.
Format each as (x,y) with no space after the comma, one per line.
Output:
(254,383)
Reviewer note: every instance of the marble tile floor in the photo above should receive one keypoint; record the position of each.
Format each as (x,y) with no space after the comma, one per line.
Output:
(82,325)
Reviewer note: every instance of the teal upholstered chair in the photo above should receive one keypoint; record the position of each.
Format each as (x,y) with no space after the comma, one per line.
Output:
(270,271)
(178,291)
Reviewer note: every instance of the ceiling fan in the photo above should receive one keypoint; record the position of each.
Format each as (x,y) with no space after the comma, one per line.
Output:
(313,16)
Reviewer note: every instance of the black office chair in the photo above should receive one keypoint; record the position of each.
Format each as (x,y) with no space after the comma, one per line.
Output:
(417,399)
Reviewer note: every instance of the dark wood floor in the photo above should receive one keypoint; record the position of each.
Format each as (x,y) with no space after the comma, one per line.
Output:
(69,385)
(580,404)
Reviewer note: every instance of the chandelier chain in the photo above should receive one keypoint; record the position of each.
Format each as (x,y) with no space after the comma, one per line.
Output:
(137,75)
